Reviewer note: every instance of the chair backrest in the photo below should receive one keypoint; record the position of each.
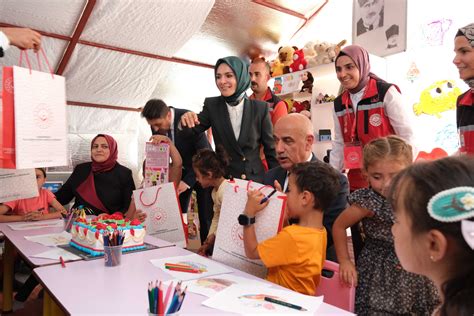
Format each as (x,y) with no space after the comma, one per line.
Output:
(335,293)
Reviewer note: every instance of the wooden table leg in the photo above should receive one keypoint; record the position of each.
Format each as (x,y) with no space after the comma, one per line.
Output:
(50,308)
(46,304)
(8,262)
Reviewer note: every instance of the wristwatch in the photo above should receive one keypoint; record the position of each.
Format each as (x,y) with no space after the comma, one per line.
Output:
(244,220)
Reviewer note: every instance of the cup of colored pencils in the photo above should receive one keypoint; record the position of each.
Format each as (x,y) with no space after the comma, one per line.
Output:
(161,303)
(113,241)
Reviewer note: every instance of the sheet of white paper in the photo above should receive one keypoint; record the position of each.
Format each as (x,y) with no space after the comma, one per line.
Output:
(55,253)
(40,112)
(210,286)
(196,261)
(17,184)
(250,300)
(53,223)
(56,239)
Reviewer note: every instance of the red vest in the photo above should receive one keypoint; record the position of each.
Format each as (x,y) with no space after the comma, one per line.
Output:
(465,121)
(371,120)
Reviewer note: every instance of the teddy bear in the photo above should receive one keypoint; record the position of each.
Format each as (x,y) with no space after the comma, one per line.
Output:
(322,55)
(299,62)
(326,53)
(307,78)
(310,54)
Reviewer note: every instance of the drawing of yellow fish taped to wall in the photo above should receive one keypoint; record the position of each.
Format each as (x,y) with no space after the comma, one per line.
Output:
(437,98)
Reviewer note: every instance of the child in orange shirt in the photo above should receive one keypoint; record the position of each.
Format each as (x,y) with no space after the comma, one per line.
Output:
(32,209)
(295,256)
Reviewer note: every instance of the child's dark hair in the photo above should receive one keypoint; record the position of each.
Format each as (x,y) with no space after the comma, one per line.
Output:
(43,170)
(411,190)
(392,147)
(206,160)
(319,178)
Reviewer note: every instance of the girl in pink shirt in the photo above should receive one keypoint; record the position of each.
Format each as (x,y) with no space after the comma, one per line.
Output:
(32,209)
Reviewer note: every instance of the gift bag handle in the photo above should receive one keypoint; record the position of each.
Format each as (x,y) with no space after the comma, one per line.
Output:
(23,52)
(156,197)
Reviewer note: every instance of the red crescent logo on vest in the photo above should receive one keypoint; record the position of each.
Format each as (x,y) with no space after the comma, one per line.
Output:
(375,120)
(353,156)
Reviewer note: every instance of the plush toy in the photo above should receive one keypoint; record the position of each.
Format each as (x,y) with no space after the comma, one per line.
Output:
(308,49)
(322,56)
(299,62)
(276,68)
(327,53)
(333,50)
(290,104)
(320,98)
(307,78)
(310,54)
(285,55)
(301,106)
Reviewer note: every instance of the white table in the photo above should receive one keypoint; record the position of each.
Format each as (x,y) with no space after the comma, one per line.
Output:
(88,287)
(15,239)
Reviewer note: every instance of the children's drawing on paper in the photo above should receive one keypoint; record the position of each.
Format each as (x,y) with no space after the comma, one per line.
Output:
(437,98)
(215,284)
(433,32)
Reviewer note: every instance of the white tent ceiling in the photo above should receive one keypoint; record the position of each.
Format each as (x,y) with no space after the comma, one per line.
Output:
(124,52)
(117,54)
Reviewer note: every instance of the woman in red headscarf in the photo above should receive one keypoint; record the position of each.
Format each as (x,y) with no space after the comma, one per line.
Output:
(103,185)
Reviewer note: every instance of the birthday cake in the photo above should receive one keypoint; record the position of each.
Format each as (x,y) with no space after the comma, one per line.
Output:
(88,235)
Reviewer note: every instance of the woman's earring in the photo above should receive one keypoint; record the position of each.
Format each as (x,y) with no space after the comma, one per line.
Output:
(432,258)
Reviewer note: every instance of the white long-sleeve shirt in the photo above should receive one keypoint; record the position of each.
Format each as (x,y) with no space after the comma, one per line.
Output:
(4,42)
(396,113)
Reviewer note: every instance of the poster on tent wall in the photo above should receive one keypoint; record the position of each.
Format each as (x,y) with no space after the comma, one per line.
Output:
(380,26)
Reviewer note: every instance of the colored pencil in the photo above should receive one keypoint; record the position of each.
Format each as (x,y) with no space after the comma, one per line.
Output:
(282,303)
(63,264)
(183,270)
(167,297)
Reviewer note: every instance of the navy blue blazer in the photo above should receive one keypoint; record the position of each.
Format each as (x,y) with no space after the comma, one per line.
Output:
(187,146)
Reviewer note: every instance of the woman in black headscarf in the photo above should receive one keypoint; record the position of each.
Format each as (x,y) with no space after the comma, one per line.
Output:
(240,125)
(464,61)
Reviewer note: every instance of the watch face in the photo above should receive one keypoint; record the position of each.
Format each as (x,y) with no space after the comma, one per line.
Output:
(243,219)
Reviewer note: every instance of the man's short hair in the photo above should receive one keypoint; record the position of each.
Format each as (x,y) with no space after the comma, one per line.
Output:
(261,60)
(319,178)
(155,109)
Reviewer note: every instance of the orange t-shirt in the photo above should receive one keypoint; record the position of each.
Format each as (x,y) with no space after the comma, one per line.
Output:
(295,257)
(39,203)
